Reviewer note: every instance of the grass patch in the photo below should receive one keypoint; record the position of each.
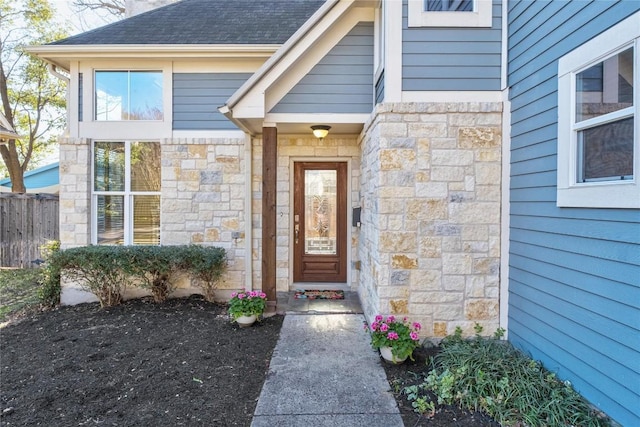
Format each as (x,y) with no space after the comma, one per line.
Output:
(490,375)
(18,290)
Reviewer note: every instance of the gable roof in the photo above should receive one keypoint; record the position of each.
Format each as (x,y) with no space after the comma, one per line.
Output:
(192,22)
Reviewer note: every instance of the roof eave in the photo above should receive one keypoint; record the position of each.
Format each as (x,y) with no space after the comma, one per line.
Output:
(61,55)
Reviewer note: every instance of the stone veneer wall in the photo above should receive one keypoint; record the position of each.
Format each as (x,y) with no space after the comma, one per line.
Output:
(203,202)
(430,238)
(292,147)
(75,192)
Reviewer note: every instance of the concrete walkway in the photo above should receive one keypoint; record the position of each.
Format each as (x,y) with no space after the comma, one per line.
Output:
(324,373)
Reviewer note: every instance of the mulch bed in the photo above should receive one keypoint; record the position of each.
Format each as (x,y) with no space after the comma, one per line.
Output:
(139,364)
(414,372)
(181,363)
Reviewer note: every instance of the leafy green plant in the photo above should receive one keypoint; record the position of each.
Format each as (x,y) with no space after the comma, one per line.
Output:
(420,403)
(49,289)
(106,271)
(154,267)
(206,265)
(102,270)
(492,376)
(247,304)
(400,335)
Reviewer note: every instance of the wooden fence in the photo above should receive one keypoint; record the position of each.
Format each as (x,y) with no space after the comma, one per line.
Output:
(26,222)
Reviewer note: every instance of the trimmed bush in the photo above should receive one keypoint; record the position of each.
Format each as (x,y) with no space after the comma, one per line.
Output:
(106,271)
(49,290)
(102,270)
(206,265)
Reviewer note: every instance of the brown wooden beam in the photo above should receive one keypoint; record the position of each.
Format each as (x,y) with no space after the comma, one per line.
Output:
(269,187)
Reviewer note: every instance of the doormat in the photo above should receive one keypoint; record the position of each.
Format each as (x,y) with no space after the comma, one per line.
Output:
(316,294)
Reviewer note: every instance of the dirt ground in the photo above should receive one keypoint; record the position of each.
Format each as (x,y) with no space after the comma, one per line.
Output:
(181,363)
(140,364)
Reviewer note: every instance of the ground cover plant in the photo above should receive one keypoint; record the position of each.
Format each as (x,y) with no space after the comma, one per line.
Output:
(140,363)
(485,381)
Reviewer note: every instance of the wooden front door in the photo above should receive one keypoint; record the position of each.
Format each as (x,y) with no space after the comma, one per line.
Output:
(320,222)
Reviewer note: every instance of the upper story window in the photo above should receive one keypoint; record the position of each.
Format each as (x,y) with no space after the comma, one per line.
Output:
(598,115)
(128,95)
(448,5)
(126,193)
(450,13)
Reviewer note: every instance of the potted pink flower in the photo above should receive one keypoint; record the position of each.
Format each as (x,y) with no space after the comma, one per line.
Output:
(246,307)
(396,339)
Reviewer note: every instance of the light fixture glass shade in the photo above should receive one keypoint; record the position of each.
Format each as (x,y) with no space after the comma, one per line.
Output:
(320,131)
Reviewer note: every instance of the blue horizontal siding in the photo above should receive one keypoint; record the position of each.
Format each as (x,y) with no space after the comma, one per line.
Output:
(342,82)
(197,96)
(452,58)
(574,274)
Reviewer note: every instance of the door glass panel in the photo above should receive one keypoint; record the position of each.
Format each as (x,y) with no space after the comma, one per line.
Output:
(320,200)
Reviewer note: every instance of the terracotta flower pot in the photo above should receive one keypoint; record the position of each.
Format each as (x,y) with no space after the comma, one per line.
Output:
(245,321)
(387,355)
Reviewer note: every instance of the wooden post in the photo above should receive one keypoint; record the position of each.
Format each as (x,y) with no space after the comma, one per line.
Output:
(269,187)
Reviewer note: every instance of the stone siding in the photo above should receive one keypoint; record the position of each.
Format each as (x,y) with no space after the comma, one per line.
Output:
(75,192)
(430,237)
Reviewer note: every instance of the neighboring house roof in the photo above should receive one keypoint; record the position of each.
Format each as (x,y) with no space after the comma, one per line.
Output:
(45,179)
(6,131)
(205,22)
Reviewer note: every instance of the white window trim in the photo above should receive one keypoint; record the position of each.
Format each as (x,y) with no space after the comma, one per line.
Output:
(480,17)
(127,194)
(602,194)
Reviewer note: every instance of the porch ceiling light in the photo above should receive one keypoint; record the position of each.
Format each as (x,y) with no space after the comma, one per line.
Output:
(320,131)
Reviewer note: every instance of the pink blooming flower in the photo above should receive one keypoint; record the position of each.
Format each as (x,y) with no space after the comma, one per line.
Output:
(384,327)
(414,336)
(263,295)
(379,318)
(391,319)
(234,294)
(241,296)
(375,326)
(392,335)
(416,326)
(253,294)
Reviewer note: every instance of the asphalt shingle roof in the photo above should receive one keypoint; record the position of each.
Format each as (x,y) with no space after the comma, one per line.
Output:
(206,22)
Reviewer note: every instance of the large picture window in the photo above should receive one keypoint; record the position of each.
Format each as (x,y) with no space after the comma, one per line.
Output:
(128,95)
(126,193)
(598,137)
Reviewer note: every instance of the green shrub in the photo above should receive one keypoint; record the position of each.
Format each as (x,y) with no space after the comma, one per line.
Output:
(154,267)
(492,376)
(206,265)
(49,290)
(102,270)
(106,271)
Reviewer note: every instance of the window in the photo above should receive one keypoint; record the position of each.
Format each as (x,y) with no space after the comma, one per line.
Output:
(128,95)
(126,193)
(598,137)
(450,13)
(448,5)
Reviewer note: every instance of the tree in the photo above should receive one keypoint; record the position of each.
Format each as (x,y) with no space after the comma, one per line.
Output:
(33,101)
(114,7)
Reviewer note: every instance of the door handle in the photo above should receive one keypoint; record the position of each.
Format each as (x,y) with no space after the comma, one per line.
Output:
(296,233)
